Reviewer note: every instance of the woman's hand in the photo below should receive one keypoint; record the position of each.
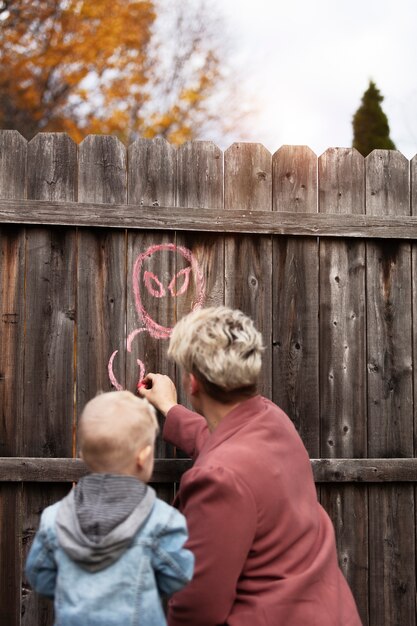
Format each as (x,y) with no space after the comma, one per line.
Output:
(159,390)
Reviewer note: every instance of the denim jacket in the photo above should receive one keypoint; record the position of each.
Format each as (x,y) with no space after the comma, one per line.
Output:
(102,571)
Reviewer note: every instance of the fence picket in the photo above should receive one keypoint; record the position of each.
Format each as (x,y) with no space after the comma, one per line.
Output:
(295,297)
(13,149)
(49,340)
(200,184)
(343,363)
(152,180)
(413,198)
(390,410)
(101,272)
(248,266)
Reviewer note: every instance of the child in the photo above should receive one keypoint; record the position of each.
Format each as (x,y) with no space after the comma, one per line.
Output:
(104,551)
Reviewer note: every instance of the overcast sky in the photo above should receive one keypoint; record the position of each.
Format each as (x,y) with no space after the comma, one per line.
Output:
(307,64)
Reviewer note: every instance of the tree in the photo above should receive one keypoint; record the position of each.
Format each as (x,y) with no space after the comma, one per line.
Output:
(187,57)
(124,67)
(370,124)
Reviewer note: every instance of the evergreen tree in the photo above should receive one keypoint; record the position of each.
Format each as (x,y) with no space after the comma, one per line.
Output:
(370,124)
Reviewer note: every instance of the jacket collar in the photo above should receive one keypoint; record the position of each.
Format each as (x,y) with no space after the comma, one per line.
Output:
(232,423)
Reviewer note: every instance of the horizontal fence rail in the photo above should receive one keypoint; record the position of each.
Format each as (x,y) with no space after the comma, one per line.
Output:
(170,470)
(146,217)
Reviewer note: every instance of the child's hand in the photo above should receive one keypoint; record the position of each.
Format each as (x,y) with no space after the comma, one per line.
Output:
(159,390)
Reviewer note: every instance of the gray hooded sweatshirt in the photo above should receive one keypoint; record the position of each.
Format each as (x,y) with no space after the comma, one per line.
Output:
(98,519)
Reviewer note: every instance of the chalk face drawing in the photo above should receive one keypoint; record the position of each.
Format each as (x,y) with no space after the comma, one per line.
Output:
(152,292)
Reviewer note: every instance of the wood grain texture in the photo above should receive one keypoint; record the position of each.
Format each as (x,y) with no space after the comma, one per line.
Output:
(390,410)
(200,183)
(13,150)
(63,470)
(342,312)
(343,425)
(25,469)
(248,261)
(295,297)
(152,180)
(148,217)
(50,303)
(50,337)
(391,555)
(147,159)
(101,271)
(154,183)
(11,561)
(413,208)
(389,313)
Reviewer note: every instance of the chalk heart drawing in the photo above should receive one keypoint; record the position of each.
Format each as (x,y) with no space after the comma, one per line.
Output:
(147,286)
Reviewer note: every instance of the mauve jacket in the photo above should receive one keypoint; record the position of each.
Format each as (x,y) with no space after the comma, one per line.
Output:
(265,549)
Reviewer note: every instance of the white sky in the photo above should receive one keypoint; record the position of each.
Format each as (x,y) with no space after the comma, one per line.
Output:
(308,62)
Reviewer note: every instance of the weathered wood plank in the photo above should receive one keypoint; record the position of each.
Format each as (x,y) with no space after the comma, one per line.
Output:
(12,320)
(295,297)
(13,149)
(342,312)
(210,220)
(391,555)
(389,313)
(37,469)
(151,308)
(390,394)
(50,302)
(342,369)
(200,183)
(71,470)
(248,263)
(152,180)
(11,554)
(101,272)
(413,208)
(194,187)
(50,333)
(151,267)
(365,470)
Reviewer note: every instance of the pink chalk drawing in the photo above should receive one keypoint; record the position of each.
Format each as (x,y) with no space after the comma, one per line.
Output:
(178,285)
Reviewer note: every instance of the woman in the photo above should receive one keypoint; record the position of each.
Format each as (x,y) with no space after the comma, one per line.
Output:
(264,547)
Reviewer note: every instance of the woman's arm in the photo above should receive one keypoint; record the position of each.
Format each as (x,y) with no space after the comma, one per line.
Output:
(185,430)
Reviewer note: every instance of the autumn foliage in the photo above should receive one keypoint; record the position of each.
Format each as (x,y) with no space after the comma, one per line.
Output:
(94,66)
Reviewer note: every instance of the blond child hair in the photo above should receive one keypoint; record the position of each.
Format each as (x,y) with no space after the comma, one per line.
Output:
(114,426)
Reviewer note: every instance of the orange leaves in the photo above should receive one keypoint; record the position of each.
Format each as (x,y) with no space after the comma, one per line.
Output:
(106,66)
(54,54)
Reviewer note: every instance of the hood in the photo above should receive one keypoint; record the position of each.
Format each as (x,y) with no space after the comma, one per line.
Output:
(98,519)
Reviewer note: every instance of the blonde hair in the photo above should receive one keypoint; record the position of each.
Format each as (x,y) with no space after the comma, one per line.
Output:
(219,344)
(113,427)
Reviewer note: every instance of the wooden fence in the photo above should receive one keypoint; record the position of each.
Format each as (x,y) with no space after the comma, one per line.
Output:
(103,247)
